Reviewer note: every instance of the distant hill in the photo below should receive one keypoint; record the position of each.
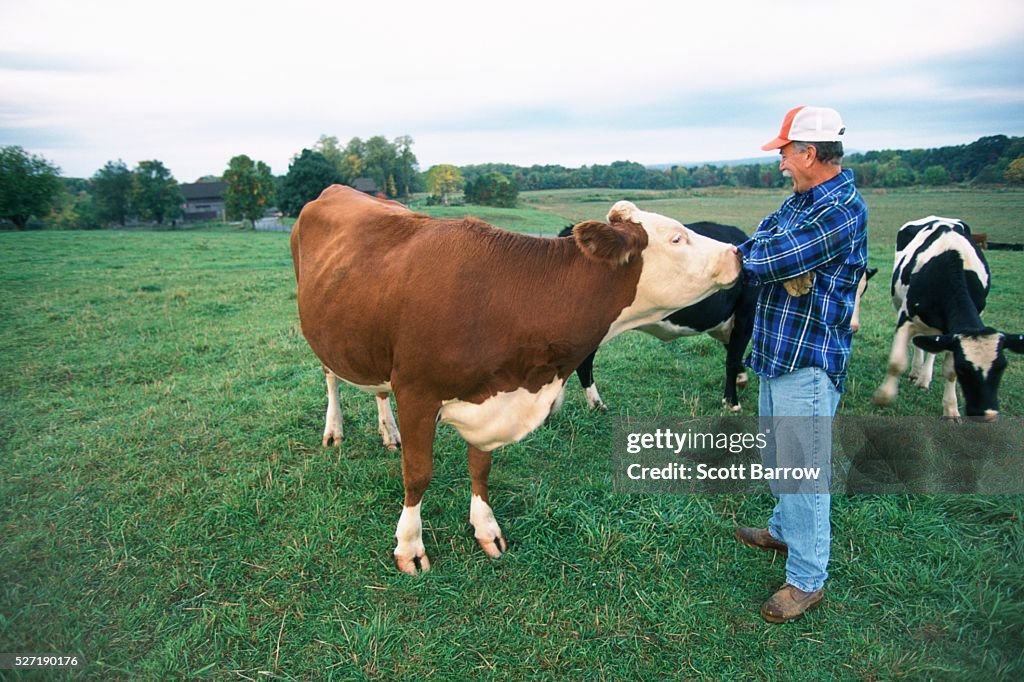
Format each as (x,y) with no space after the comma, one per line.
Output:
(987,160)
(754,160)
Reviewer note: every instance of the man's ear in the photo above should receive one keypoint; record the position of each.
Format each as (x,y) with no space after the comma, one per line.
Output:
(935,344)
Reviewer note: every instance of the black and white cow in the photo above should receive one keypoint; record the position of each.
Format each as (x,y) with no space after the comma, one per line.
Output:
(940,281)
(726,315)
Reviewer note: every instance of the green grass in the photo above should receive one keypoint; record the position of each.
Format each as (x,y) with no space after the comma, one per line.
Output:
(167,510)
(523,218)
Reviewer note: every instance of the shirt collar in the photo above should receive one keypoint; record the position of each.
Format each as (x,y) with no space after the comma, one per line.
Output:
(821,191)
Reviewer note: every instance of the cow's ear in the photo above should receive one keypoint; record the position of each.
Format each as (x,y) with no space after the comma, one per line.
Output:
(1014,342)
(935,344)
(622,212)
(612,244)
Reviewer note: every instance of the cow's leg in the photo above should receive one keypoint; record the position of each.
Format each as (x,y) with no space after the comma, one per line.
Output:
(556,406)
(950,409)
(386,425)
(486,529)
(585,373)
(915,366)
(742,330)
(733,370)
(886,393)
(925,364)
(418,425)
(332,422)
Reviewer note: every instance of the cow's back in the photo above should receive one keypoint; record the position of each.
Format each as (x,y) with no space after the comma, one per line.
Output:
(936,265)
(730,234)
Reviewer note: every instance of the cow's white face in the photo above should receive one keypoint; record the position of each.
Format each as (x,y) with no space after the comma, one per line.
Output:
(979,363)
(680,267)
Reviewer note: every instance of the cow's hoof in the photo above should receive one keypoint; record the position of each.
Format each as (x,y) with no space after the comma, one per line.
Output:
(881,399)
(331,438)
(391,447)
(413,565)
(494,547)
(923,385)
(953,418)
(599,406)
(735,409)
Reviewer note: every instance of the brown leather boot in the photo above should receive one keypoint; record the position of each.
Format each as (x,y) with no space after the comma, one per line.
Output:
(761,539)
(790,603)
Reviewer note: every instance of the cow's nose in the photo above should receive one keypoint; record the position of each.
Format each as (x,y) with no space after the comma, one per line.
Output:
(728,267)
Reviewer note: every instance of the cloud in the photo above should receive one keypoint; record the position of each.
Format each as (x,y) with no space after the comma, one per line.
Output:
(572,82)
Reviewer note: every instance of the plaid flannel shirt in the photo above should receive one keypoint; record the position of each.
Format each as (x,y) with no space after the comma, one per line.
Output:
(823,230)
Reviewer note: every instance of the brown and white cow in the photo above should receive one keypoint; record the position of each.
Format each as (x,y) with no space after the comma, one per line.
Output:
(475,326)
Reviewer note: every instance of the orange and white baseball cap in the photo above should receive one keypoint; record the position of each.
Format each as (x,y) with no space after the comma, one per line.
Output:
(808,124)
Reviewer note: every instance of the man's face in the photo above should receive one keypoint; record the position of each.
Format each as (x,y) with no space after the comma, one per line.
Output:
(796,165)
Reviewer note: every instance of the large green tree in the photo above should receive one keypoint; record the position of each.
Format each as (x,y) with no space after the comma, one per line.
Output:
(391,165)
(351,164)
(308,175)
(28,185)
(406,176)
(492,189)
(112,192)
(1015,171)
(327,145)
(379,163)
(250,187)
(443,180)
(155,192)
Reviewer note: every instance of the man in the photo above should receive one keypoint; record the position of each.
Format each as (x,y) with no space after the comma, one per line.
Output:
(809,256)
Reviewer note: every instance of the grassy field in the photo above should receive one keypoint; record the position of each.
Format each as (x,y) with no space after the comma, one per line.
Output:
(168,513)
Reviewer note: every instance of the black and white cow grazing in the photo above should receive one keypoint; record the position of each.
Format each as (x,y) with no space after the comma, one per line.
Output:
(727,315)
(940,281)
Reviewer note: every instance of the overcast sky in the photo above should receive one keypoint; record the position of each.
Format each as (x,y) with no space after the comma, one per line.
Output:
(550,82)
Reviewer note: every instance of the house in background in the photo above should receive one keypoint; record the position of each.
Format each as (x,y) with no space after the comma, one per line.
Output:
(367,185)
(204,200)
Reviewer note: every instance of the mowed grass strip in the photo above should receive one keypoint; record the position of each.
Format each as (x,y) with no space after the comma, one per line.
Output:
(167,510)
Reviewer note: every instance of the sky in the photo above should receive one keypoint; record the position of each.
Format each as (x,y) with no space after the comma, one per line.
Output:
(193,84)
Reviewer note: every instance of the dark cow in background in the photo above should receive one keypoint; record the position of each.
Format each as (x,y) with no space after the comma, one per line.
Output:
(478,327)
(726,315)
(940,281)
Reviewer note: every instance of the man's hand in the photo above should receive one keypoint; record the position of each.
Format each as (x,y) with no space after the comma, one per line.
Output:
(799,285)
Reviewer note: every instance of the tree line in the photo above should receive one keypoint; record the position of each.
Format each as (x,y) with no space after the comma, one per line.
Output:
(988,160)
(31,187)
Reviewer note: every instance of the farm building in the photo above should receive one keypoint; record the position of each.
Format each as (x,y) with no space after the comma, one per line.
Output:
(366,185)
(204,200)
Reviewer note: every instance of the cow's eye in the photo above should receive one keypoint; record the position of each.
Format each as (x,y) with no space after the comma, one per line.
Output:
(677,238)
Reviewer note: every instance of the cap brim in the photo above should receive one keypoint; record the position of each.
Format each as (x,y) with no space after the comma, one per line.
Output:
(777,143)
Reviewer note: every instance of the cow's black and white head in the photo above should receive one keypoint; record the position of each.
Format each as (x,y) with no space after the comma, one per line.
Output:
(979,363)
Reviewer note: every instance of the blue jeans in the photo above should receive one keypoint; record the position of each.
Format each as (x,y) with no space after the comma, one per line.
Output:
(798,408)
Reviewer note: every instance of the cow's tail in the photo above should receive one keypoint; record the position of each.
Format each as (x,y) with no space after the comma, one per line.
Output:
(296,250)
